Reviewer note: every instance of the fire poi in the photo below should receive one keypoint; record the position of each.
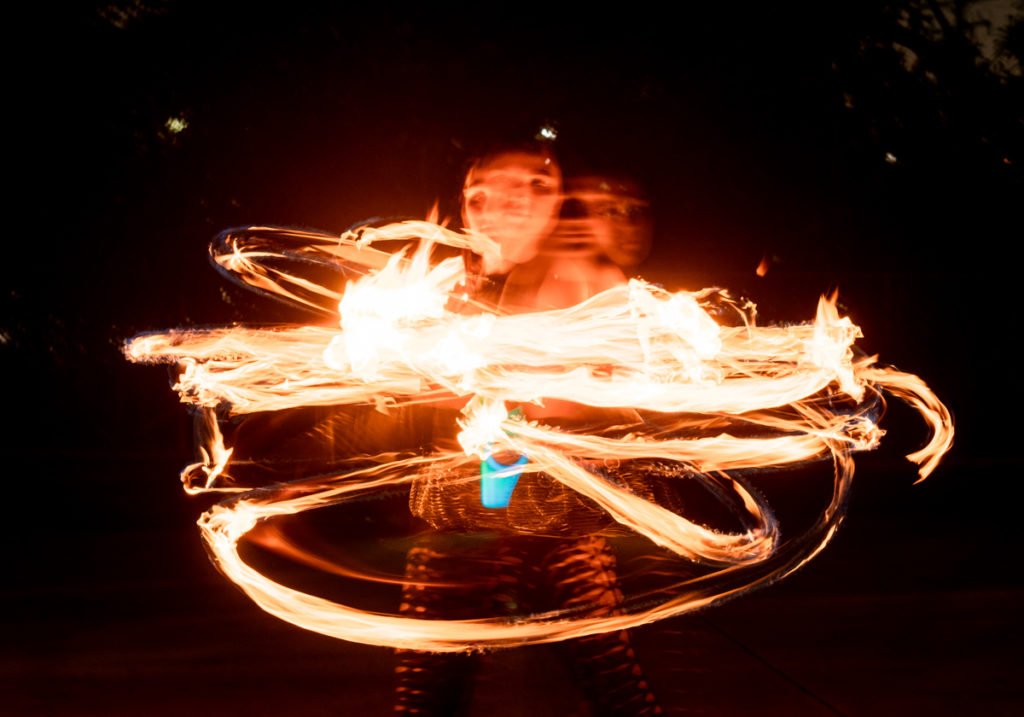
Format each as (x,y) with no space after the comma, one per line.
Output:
(696,396)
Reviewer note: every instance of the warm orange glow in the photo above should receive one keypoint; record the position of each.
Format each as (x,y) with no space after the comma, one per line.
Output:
(801,386)
(762,267)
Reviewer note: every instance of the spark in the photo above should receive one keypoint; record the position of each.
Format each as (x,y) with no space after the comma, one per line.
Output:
(176,125)
(763,265)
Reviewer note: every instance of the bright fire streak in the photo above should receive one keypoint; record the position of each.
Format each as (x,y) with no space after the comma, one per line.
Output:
(632,348)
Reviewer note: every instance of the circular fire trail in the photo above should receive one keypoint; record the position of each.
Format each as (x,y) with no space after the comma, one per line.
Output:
(670,385)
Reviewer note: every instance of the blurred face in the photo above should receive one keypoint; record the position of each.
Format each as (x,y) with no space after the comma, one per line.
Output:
(513,198)
(603,216)
(581,231)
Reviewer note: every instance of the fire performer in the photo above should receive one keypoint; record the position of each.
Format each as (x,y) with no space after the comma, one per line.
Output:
(538,547)
(720,400)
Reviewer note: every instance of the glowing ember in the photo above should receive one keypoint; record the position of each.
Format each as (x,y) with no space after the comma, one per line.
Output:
(715,399)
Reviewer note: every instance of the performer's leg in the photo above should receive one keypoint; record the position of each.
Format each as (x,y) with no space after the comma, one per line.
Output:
(431,683)
(449,579)
(582,573)
(434,683)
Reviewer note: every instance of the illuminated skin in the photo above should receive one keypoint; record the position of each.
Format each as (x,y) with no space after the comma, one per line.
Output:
(513,198)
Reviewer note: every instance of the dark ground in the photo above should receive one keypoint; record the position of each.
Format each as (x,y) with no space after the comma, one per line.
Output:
(792,133)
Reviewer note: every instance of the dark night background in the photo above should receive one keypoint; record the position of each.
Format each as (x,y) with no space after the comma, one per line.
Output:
(871,146)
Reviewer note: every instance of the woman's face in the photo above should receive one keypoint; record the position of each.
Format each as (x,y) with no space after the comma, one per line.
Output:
(602,216)
(513,198)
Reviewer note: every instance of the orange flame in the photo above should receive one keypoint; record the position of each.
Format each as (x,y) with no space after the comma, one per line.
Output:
(763,265)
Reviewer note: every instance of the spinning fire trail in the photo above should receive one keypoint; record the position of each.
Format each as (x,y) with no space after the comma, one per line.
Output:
(684,391)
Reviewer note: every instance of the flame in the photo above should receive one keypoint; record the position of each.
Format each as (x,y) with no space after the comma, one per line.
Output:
(800,391)
(215,456)
(763,265)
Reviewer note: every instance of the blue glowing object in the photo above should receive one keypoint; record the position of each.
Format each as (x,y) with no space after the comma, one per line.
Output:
(497,481)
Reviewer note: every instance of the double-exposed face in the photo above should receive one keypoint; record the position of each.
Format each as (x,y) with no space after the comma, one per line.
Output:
(603,216)
(513,198)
